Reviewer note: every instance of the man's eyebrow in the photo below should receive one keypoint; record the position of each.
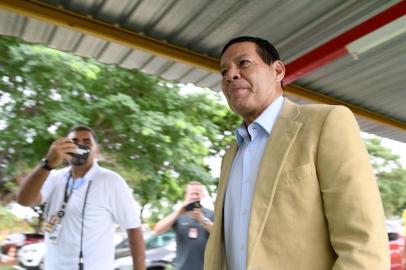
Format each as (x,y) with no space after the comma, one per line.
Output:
(244,55)
(85,139)
(238,57)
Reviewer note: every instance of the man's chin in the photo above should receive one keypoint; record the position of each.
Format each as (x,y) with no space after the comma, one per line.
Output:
(241,107)
(78,162)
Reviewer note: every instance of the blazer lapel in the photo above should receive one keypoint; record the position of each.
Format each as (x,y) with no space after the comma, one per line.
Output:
(217,255)
(225,171)
(282,138)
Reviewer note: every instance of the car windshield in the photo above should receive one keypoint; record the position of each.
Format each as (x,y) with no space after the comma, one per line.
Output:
(159,240)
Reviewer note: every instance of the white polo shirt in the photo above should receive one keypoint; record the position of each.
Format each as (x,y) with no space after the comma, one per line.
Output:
(109,202)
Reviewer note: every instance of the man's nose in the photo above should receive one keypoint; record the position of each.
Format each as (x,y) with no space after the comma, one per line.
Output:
(232,74)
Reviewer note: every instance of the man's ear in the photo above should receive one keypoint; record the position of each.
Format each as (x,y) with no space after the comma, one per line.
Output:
(279,70)
(97,151)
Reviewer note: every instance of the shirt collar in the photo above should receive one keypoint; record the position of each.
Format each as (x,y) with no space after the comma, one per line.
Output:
(266,120)
(89,174)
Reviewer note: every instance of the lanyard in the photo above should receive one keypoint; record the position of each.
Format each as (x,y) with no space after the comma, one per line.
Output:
(61,213)
(81,261)
(68,192)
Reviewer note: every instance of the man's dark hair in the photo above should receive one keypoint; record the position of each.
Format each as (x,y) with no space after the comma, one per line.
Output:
(83,128)
(265,49)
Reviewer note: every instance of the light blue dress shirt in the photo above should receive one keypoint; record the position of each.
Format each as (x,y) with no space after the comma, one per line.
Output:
(241,183)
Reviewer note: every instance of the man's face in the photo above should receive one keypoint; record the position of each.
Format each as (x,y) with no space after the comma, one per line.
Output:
(193,193)
(249,84)
(84,137)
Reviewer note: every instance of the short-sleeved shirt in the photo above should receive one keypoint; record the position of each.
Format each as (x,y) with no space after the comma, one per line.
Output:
(109,201)
(191,239)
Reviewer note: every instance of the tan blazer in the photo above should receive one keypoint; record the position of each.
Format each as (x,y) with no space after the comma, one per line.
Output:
(316,203)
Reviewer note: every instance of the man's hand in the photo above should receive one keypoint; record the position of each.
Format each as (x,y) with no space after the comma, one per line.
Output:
(197,214)
(58,152)
(29,193)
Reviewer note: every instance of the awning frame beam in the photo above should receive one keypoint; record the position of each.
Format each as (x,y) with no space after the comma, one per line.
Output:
(114,33)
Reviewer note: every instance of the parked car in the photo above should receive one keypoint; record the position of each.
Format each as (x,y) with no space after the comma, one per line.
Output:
(32,256)
(160,253)
(19,240)
(396,245)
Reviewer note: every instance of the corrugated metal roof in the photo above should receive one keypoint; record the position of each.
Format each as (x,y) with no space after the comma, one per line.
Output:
(374,82)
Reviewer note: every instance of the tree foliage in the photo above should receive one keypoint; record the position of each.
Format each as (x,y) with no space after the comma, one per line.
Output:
(391,177)
(150,133)
(155,137)
(11,223)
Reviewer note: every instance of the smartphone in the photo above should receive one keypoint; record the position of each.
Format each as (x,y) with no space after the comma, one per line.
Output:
(193,205)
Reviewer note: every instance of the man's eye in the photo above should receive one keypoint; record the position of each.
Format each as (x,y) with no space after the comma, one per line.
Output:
(244,62)
(223,73)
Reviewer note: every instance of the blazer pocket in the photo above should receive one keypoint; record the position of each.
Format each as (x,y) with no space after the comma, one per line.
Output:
(300,173)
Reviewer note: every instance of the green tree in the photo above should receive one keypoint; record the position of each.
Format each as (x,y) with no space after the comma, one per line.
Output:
(391,177)
(10,223)
(148,132)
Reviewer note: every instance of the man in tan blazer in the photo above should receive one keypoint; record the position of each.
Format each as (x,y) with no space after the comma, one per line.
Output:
(296,190)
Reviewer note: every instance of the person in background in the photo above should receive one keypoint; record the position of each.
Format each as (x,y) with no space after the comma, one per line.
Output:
(83,203)
(192,224)
(296,189)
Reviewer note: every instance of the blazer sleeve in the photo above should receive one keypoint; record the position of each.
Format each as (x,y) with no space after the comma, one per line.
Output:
(352,202)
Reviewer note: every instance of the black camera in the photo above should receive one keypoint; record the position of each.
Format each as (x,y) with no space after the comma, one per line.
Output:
(191,206)
(81,152)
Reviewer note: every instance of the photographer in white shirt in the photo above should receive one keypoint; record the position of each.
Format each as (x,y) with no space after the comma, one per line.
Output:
(83,203)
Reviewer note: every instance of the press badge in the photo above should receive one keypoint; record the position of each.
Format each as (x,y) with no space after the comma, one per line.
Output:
(53,228)
(193,233)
